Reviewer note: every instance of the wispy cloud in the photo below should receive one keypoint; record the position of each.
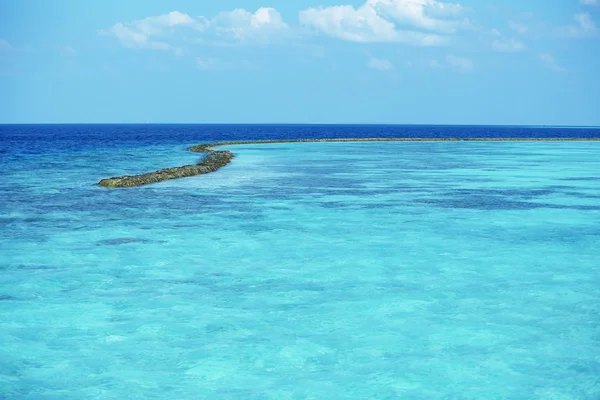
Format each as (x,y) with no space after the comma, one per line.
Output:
(67,51)
(518,28)
(462,64)
(209,63)
(589,2)
(506,44)
(218,64)
(551,63)
(150,32)
(584,26)
(380,64)
(416,22)
(5,45)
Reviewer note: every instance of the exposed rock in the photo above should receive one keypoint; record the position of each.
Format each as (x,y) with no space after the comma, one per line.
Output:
(212,162)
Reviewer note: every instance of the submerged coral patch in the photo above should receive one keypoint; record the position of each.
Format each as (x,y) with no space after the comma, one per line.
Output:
(119,241)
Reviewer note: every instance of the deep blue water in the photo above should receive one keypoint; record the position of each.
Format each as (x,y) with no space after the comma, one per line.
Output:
(84,136)
(410,270)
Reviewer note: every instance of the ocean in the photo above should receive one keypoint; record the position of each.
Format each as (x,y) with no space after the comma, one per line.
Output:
(358,270)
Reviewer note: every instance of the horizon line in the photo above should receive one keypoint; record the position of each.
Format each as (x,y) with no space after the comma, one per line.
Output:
(300,124)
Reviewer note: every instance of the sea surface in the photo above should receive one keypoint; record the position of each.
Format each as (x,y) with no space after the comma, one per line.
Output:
(372,270)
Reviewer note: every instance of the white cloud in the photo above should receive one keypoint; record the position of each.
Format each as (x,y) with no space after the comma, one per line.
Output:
(347,23)
(423,14)
(550,62)
(240,26)
(589,2)
(5,45)
(518,28)
(380,64)
(264,26)
(159,25)
(417,22)
(462,64)
(585,26)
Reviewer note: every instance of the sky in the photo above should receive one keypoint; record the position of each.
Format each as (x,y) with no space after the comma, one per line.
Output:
(480,62)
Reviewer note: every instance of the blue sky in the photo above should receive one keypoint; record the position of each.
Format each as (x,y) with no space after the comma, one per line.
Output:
(513,62)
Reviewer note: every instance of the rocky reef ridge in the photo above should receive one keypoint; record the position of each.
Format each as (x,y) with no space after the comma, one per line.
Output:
(216,159)
(212,162)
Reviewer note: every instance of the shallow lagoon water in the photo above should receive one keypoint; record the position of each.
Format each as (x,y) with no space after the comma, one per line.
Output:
(460,270)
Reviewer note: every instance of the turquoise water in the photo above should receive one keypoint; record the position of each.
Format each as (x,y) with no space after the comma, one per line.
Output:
(305,271)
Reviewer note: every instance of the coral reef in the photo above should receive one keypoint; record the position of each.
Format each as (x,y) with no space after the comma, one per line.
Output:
(216,159)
